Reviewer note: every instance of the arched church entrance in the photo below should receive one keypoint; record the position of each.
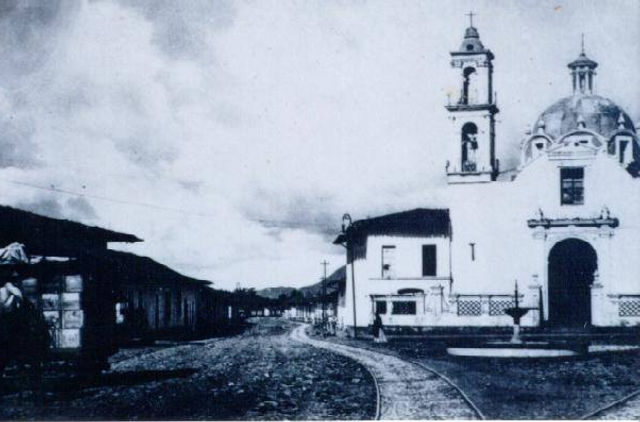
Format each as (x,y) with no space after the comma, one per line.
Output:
(572,263)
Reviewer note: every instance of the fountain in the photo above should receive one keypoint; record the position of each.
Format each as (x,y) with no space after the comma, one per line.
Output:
(516,347)
(516,313)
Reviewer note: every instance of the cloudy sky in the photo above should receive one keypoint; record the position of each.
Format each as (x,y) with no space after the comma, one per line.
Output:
(233,135)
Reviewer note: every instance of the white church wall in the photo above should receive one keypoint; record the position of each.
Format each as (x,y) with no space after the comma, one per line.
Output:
(494,218)
(492,245)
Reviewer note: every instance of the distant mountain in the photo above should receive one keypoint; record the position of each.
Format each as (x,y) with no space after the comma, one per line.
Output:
(332,284)
(275,292)
(311,291)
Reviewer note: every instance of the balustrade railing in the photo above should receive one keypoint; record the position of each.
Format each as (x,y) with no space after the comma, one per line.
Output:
(477,305)
(629,305)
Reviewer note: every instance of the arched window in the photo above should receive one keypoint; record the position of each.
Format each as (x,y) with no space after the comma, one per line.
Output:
(469,145)
(467,75)
(410,291)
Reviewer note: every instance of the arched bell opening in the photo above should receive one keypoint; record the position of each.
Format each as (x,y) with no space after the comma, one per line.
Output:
(467,82)
(469,145)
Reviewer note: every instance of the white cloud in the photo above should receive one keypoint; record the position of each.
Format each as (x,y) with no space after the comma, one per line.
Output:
(265,121)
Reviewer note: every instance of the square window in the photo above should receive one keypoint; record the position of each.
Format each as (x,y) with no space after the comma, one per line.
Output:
(428,260)
(403,308)
(381,307)
(388,262)
(572,186)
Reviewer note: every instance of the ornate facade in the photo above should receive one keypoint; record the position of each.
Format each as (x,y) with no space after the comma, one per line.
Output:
(564,226)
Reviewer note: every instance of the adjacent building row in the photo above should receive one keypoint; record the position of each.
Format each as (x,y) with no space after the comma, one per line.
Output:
(93,299)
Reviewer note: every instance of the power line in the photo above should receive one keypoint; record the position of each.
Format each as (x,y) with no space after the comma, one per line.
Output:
(52,188)
(265,222)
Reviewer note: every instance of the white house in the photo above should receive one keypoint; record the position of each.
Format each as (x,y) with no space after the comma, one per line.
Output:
(565,225)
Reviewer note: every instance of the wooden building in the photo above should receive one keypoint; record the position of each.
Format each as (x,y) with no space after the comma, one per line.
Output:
(60,281)
(154,301)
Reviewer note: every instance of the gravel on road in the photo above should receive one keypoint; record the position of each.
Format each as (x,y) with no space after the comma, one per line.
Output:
(259,375)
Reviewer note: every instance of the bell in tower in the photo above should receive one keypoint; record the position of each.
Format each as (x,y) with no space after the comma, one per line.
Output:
(472,146)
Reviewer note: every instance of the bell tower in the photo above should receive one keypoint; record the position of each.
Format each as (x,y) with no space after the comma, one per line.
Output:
(472,114)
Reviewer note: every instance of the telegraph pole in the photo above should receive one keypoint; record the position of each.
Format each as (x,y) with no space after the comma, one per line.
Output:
(324,297)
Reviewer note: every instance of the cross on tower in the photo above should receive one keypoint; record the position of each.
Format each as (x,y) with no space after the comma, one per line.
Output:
(582,44)
(471,15)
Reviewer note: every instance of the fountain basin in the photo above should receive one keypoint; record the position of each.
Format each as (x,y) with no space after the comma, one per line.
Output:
(525,350)
(522,352)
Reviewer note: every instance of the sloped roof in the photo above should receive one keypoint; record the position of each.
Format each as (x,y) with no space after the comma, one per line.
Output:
(43,234)
(417,222)
(127,268)
(420,222)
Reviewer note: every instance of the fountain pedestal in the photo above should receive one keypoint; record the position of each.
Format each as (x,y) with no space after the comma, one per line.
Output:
(516,313)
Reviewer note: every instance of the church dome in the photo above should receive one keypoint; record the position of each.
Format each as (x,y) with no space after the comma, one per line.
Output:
(599,114)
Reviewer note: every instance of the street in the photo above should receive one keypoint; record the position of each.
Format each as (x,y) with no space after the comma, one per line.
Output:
(261,374)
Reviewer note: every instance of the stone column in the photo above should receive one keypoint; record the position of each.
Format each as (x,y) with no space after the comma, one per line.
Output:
(533,301)
(599,313)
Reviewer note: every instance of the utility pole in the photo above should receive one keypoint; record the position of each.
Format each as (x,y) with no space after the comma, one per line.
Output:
(324,297)
(348,245)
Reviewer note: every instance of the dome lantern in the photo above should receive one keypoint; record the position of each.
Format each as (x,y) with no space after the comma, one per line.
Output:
(583,70)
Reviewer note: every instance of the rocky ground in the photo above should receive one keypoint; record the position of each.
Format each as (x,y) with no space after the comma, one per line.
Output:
(261,374)
(531,389)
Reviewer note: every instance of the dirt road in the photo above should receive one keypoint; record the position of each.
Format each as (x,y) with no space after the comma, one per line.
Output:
(262,374)
(406,390)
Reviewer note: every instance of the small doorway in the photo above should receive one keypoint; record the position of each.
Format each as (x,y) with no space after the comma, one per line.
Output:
(572,264)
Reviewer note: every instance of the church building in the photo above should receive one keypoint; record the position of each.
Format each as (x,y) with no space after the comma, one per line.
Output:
(563,226)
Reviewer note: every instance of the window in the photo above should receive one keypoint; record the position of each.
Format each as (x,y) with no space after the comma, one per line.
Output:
(404,308)
(428,260)
(381,307)
(388,262)
(572,186)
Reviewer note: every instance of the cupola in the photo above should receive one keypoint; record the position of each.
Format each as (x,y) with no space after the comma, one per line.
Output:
(583,71)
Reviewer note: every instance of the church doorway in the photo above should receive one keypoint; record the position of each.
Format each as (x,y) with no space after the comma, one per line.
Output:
(572,263)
